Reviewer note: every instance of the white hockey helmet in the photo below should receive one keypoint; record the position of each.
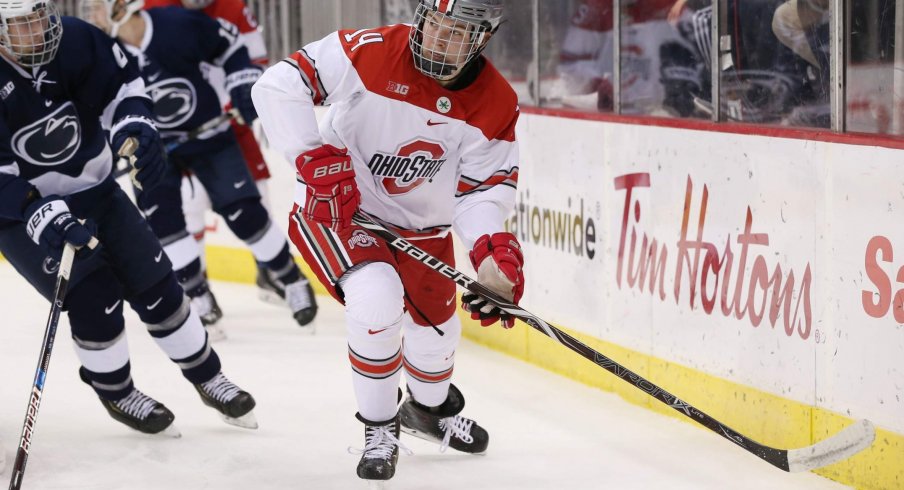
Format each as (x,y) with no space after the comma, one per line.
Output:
(196,4)
(30,30)
(109,15)
(448,34)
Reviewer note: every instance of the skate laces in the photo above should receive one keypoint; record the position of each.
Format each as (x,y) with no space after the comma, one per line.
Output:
(297,295)
(379,442)
(457,426)
(137,404)
(220,388)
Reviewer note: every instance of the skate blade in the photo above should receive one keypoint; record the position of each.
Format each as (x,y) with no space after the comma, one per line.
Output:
(430,438)
(170,431)
(378,485)
(271,297)
(247,421)
(215,333)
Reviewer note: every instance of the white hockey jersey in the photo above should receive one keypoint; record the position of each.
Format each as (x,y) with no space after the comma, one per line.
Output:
(425,157)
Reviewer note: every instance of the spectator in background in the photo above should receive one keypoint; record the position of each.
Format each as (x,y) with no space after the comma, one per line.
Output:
(794,19)
(802,26)
(586,57)
(763,81)
(195,200)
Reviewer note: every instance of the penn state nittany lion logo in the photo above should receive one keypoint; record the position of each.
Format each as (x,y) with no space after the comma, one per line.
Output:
(174,102)
(51,141)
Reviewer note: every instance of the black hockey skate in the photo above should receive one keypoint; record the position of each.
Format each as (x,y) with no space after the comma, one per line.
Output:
(299,296)
(443,425)
(234,404)
(206,306)
(142,413)
(381,449)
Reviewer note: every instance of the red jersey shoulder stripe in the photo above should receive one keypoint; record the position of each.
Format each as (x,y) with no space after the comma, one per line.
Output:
(467,185)
(309,75)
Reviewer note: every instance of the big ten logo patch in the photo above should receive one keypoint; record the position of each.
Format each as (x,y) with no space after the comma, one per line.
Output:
(360,238)
(398,88)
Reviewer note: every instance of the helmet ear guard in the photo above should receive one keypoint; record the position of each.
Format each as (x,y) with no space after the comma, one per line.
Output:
(19,37)
(445,57)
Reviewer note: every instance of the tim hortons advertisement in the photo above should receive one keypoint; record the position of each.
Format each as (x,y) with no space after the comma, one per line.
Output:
(770,262)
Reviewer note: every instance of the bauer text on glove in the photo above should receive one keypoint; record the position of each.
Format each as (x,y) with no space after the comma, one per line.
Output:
(332,195)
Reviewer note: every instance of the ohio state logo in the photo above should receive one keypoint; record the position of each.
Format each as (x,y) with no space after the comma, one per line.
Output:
(410,166)
(360,238)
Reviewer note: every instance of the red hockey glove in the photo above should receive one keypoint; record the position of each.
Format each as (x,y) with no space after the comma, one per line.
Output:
(498,262)
(333,195)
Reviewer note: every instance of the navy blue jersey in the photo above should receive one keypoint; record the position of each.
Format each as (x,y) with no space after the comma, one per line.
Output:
(52,117)
(175,43)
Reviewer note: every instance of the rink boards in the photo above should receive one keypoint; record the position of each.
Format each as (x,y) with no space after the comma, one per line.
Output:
(753,275)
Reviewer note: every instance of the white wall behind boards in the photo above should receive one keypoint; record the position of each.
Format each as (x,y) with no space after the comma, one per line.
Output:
(746,257)
(770,262)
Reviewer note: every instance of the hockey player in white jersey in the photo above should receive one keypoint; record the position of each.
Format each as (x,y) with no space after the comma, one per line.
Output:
(420,134)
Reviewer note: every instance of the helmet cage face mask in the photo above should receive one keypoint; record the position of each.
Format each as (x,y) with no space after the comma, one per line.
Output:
(196,4)
(108,15)
(444,42)
(30,32)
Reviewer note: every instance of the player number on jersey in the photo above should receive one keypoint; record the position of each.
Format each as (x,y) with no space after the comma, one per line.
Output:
(228,31)
(120,57)
(364,37)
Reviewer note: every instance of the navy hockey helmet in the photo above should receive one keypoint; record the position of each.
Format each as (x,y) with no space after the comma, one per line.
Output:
(109,15)
(30,31)
(448,34)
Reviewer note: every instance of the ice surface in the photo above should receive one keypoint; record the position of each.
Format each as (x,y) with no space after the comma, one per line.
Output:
(546,432)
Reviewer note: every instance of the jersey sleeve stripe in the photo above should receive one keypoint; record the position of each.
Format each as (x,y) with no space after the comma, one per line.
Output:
(308,72)
(467,185)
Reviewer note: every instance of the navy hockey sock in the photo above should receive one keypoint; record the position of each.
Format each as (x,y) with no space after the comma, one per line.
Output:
(282,268)
(98,330)
(177,329)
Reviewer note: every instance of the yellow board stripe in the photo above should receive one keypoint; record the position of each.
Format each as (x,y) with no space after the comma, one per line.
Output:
(764,417)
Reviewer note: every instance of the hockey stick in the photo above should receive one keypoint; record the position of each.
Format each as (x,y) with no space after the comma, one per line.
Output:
(209,125)
(37,390)
(846,443)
